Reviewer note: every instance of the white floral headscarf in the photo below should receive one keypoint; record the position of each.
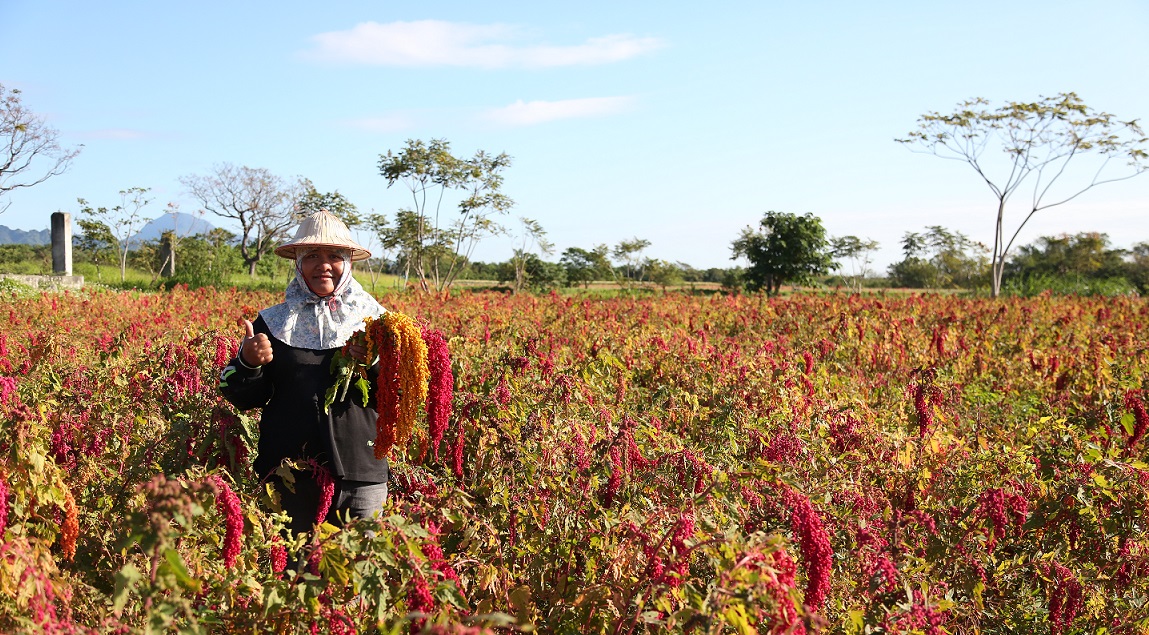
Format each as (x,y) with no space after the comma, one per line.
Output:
(306,320)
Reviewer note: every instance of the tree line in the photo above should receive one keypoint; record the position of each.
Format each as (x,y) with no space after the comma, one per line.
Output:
(788,248)
(1042,159)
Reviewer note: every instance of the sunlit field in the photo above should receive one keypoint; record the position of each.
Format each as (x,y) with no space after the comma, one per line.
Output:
(667,463)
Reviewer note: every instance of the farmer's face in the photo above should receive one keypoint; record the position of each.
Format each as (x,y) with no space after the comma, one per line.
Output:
(322,269)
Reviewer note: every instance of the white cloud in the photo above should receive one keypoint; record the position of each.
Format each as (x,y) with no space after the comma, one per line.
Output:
(438,43)
(530,113)
(389,123)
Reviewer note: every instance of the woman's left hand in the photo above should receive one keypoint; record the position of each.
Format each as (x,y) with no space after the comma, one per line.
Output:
(358,352)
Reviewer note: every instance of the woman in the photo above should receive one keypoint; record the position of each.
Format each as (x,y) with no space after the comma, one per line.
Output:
(284,367)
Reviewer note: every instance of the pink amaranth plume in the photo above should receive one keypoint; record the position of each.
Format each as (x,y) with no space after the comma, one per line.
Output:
(228,504)
(441,385)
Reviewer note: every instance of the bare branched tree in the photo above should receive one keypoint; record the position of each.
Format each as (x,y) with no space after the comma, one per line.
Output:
(1046,149)
(262,203)
(30,152)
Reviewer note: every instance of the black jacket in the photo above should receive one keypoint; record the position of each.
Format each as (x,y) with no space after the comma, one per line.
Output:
(290,389)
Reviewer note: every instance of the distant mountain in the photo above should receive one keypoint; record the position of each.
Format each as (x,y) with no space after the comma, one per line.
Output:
(182,224)
(25,237)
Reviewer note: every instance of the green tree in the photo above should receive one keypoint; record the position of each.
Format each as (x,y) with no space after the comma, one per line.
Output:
(312,200)
(1137,267)
(1083,263)
(858,252)
(664,273)
(207,259)
(380,232)
(539,275)
(585,266)
(262,203)
(1086,254)
(785,248)
(437,248)
(1047,147)
(939,259)
(30,151)
(628,253)
(159,258)
(96,242)
(531,236)
(146,256)
(411,241)
(122,221)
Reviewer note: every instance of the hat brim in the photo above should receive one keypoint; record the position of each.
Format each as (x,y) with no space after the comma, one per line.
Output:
(290,249)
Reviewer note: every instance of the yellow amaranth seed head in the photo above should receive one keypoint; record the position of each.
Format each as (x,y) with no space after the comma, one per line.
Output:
(399,330)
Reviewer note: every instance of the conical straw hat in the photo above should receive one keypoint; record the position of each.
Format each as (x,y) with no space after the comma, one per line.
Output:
(322,229)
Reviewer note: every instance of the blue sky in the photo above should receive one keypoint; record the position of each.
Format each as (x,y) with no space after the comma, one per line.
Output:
(677,122)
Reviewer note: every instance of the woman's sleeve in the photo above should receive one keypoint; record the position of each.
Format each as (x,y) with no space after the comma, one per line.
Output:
(244,387)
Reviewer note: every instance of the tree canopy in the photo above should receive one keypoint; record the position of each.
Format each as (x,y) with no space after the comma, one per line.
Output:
(437,248)
(939,258)
(785,248)
(119,223)
(585,266)
(858,252)
(1083,254)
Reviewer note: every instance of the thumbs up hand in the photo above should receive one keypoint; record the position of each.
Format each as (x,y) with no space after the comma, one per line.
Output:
(254,350)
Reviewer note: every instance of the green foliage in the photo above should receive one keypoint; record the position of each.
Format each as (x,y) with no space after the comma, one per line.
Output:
(313,201)
(262,203)
(532,236)
(1086,254)
(207,261)
(628,253)
(734,280)
(114,227)
(26,259)
(939,259)
(95,244)
(1137,268)
(585,266)
(531,272)
(785,248)
(858,253)
(433,248)
(1034,284)
(663,273)
(1078,264)
(13,288)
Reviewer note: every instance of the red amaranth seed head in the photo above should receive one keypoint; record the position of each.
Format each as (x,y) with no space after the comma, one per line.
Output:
(278,555)
(440,389)
(419,600)
(228,505)
(814,544)
(1064,599)
(503,393)
(3,507)
(1140,418)
(326,490)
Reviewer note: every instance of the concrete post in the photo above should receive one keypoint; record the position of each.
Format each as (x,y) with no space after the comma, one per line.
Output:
(168,254)
(62,244)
